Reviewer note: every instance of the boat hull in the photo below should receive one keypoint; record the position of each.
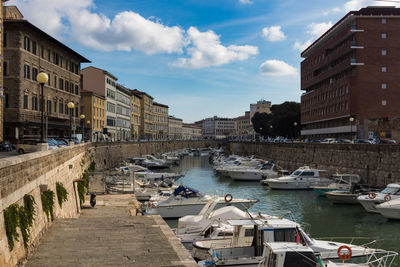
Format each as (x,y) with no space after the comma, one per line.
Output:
(342,198)
(321,191)
(390,213)
(292,185)
(369,205)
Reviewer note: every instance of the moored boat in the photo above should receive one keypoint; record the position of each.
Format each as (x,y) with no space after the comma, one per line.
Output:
(372,199)
(341,182)
(390,209)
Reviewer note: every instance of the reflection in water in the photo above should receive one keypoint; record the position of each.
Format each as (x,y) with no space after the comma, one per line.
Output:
(326,220)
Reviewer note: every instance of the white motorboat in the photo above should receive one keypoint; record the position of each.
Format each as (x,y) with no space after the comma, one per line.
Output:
(343,197)
(155,176)
(269,230)
(302,178)
(390,209)
(187,201)
(370,201)
(263,171)
(342,182)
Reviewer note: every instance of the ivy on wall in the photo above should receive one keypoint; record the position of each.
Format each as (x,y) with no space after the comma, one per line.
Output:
(48,203)
(62,194)
(22,217)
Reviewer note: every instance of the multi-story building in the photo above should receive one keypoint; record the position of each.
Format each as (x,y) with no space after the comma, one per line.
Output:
(146,129)
(28,51)
(261,106)
(218,128)
(93,106)
(103,83)
(243,124)
(135,114)
(174,128)
(191,132)
(1,71)
(160,120)
(123,119)
(350,74)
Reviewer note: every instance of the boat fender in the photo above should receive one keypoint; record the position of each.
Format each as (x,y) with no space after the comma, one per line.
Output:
(228,197)
(388,197)
(344,256)
(372,195)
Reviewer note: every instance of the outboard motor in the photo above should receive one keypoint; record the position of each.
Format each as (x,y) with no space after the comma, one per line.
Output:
(93,199)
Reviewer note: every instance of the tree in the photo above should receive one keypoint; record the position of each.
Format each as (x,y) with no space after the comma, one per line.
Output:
(261,123)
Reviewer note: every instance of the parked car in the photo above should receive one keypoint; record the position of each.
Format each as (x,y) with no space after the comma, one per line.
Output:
(343,141)
(386,141)
(361,141)
(27,146)
(5,146)
(328,141)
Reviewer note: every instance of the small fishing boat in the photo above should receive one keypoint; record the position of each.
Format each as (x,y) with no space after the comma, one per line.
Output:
(342,182)
(343,197)
(371,200)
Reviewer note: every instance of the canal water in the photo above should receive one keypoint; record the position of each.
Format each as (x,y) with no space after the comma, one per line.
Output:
(322,219)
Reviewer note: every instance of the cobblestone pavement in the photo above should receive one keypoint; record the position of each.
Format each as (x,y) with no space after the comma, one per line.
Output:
(109,236)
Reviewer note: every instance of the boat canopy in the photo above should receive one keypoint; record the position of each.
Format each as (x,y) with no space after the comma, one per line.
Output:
(186,191)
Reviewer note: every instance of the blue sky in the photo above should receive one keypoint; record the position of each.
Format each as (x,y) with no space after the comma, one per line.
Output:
(200,57)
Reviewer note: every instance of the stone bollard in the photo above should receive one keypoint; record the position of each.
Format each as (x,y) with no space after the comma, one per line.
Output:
(42,147)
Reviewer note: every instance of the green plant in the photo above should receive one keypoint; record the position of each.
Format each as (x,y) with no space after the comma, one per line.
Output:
(26,217)
(48,203)
(81,192)
(92,166)
(62,194)
(11,221)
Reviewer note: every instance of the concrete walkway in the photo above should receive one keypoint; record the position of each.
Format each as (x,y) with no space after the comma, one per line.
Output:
(109,236)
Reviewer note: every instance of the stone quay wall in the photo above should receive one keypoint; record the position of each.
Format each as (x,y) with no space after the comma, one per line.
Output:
(377,165)
(25,174)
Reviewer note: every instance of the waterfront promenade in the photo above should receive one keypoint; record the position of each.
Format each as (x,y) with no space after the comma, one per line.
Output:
(108,235)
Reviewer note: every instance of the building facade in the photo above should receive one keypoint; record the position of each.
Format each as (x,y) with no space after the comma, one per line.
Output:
(350,75)
(135,114)
(1,71)
(191,132)
(123,118)
(218,128)
(27,52)
(93,106)
(146,129)
(243,124)
(103,83)
(160,121)
(174,128)
(261,106)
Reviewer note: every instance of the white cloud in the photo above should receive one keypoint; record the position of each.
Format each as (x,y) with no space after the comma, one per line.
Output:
(274,33)
(206,50)
(245,2)
(354,5)
(314,31)
(275,67)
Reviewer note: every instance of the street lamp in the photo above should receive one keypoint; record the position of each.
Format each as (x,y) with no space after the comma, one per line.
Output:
(42,78)
(70,106)
(82,116)
(351,119)
(88,123)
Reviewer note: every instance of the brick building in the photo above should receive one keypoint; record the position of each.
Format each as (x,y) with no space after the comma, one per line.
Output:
(160,120)
(27,52)
(350,75)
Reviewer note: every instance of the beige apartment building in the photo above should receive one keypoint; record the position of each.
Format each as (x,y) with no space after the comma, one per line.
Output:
(160,121)
(103,83)
(28,51)
(174,128)
(191,132)
(243,124)
(261,106)
(146,129)
(1,71)
(135,114)
(93,107)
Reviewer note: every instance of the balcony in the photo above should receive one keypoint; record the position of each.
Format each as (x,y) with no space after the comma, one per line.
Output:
(353,45)
(353,28)
(354,62)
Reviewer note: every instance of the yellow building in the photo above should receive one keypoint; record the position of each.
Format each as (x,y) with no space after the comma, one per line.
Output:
(160,121)
(93,107)
(135,114)
(243,124)
(146,129)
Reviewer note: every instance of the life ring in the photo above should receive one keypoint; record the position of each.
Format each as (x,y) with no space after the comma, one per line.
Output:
(388,197)
(344,256)
(372,195)
(228,197)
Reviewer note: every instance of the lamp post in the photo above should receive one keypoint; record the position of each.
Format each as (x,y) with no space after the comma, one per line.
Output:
(82,116)
(42,78)
(351,119)
(90,134)
(70,106)
(295,129)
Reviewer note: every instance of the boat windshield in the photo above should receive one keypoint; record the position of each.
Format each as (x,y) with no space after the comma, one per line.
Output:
(390,190)
(296,173)
(299,259)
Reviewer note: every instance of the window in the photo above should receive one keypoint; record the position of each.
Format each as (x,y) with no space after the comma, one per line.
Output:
(56,58)
(48,54)
(76,89)
(48,106)
(4,39)
(34,74)
(48,81)
(71,87)
(61,84)
(34,103)
(110,107)
(66,86)
(76,111)
(384,103)
(42,52)
(384,85)
(383,21)
(66,109)
(27,71)
(61,61)
(383,35)
(55,106)
(25,101)
(384,69)
(34,47)
(55,81)
(383,52)
(27,44)
(5,69)
(6,100)
(285,235)
(61,107)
